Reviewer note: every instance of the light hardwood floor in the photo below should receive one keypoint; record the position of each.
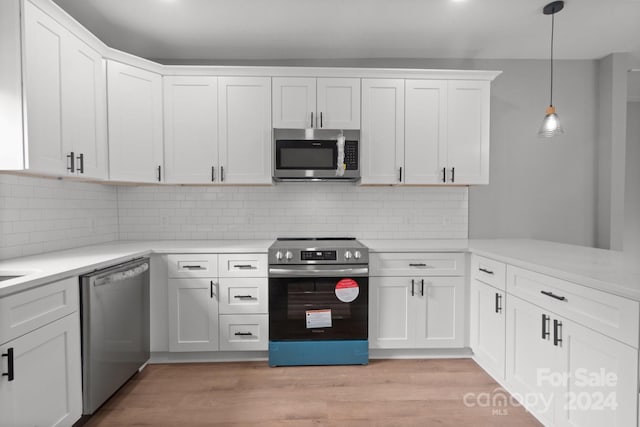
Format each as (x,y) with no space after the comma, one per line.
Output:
(384,393)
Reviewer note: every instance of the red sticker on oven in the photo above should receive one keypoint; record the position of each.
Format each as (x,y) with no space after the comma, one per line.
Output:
(347,290)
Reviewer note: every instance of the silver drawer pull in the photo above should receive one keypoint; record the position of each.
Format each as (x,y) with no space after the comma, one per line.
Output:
(552,295)
(243,334)
(193,267)
(420,264)
(243,266)
(243,296)
(484,270)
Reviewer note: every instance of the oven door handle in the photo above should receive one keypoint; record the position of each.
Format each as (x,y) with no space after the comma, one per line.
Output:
(319,272)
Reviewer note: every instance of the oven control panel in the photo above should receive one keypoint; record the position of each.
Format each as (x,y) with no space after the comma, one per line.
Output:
(318,255)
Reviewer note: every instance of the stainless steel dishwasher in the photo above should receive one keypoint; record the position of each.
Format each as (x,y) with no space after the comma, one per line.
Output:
(115,329)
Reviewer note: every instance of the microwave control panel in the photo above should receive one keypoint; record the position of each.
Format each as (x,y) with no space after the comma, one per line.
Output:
(351,155)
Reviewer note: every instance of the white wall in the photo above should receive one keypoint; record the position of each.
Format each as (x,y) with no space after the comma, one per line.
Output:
(632,199)
(310,209)
(40,215)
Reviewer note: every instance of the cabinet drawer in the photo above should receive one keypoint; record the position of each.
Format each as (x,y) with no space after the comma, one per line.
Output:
(608,314)
(488,271)
(244,332)
(243,265)
(26,311)
(248,296)
(192,265)
(417,264)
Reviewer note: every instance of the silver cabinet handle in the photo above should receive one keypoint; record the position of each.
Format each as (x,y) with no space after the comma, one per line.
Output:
(243,266)
(159,173)
(444,174)
(400,178)
(420,264)
(311,119)
(243,334)
(453,174)
(243,296)
(221,173)
(412,287)
(320,119)
(193,267)
(213,174)
(421,287)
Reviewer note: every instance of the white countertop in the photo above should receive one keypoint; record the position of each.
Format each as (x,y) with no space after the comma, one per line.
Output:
(44,268)
(610,271)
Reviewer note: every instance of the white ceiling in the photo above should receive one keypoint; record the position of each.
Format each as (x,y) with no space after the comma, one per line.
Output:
(218,30)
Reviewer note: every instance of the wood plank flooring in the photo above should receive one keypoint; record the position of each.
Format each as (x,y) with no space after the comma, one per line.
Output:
(385,393)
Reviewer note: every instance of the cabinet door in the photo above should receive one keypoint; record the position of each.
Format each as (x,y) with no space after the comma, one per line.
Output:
(193,315)
(487,321)
(191,129)
(44,40)
(602,379)
(533,363)
(390,325)
(84,112)
(294,102)
(468,132)
(244,110)
(382,138)
(135,123)
(439,319)
(47,387)
(338,103)
(425,131)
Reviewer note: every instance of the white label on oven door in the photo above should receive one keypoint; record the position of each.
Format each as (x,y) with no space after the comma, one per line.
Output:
(319,318)
(347,290)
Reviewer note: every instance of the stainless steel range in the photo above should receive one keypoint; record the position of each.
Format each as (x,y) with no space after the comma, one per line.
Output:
(318,302)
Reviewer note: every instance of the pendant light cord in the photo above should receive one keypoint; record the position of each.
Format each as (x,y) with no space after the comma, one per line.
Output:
(552,26)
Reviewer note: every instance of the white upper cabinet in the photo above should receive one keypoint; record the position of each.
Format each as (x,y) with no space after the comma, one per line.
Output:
(338,103)
(425,131)
(382,135)
(244,108)
(65,100)
(191,129)
(468,132)
(84,110)
(329,103)
(294,102)
(446,133)
(135,124)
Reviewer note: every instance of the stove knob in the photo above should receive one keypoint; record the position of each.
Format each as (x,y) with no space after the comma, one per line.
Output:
(347,255)
(279,255)
(288,256)
(357,255)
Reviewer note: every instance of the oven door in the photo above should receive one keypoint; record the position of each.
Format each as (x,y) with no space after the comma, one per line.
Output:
(318,308)
(305,158)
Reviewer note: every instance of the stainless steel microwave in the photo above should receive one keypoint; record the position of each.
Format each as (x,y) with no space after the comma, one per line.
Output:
(314,160)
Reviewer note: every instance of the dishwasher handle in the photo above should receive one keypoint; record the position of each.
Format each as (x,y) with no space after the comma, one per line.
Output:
(122,275)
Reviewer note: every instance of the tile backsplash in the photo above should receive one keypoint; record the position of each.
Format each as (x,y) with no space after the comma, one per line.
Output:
(40,215)
(291,209)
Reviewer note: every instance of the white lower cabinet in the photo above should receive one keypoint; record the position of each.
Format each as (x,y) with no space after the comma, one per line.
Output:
(193,314)
(244,332)
(487,327)
(567,374)
(46,387)
(211,308)
(426,312)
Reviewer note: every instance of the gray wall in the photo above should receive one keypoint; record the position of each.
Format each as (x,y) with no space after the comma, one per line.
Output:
(632,205)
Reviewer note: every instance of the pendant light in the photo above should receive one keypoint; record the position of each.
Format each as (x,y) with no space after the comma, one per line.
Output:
(551,124)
